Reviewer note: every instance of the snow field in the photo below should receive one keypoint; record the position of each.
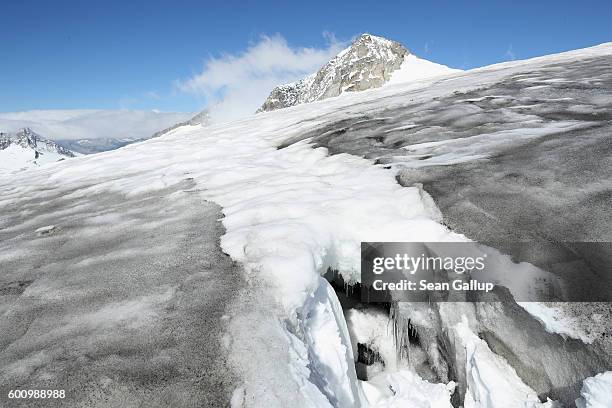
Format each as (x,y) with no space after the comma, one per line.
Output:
(415,68)
(290,214)
(16,158)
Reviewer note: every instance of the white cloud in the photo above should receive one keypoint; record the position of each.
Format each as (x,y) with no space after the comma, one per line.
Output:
(91,124)
(510,53)
(126,102)
(235,85)
(153,95)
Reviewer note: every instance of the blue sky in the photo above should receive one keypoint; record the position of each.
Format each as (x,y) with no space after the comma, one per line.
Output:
(140,54)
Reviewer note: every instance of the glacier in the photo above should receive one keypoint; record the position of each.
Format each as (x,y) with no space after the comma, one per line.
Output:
(138,254)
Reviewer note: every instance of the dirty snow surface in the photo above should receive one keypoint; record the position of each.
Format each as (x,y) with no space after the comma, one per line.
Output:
(125,296)
(114,299)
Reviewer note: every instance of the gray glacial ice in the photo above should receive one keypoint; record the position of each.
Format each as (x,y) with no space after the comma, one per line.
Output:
(124,304)
(527,157)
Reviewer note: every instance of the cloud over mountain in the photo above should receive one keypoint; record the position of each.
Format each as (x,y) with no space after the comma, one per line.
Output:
(235,84)
(91,123)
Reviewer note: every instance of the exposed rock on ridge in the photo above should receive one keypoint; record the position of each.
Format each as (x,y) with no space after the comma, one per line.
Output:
(367,63)
(27,138)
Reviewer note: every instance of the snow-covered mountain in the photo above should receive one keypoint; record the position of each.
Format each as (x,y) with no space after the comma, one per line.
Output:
(25,148)
(92,130)
(201,118)
(370,62)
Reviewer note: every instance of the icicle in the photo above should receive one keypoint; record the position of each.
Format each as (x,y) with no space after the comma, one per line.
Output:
(404,333)
(401,333)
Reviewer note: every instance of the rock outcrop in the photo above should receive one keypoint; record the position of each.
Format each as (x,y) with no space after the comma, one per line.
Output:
(367,63)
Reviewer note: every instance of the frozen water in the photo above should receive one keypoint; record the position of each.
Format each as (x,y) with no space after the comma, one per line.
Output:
(596,392)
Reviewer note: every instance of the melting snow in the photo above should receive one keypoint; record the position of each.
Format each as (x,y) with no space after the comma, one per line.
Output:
(491,381)
(406,389)
(290,214)
(596,392)
(557,321)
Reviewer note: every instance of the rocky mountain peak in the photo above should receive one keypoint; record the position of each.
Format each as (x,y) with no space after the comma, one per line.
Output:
(370,45)
(25,137)
(28,139)
(367,63)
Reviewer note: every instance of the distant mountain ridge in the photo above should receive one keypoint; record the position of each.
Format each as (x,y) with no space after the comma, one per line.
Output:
(98,145)
(370,62)
(90,146)
(27,138)
(25,148)
(90,131)
(201,118)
